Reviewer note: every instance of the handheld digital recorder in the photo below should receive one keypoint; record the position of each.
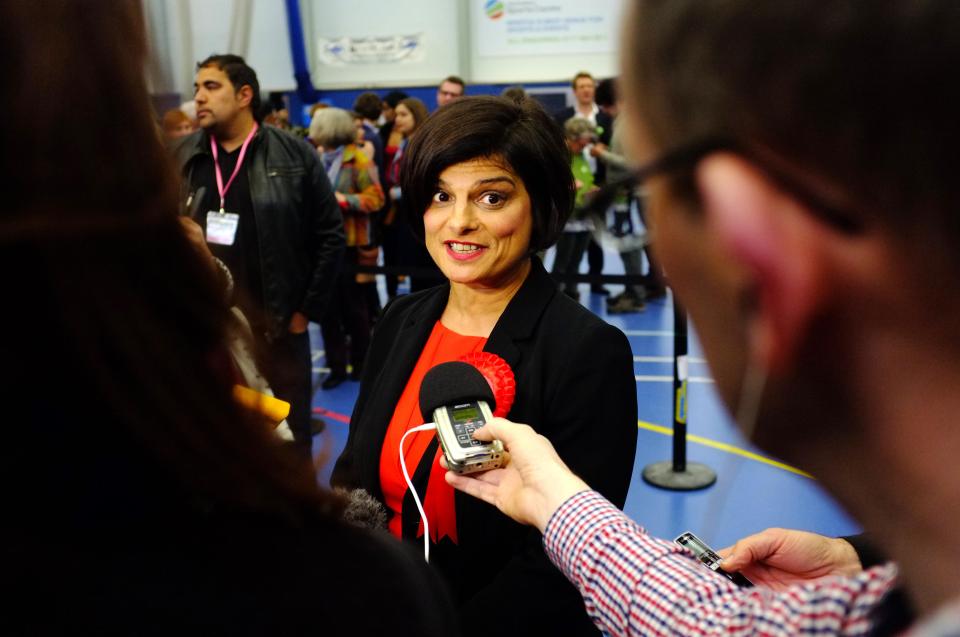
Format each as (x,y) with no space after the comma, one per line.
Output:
(455,427)
(709,558)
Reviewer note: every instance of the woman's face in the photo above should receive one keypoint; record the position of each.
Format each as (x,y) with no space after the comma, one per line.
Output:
(404,122)
(478,226)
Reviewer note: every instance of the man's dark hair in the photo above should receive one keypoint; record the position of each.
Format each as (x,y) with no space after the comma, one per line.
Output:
(851,100)
(368,105)
(454,79)
(606,93)
(521,135)
(239,74)
(394,97)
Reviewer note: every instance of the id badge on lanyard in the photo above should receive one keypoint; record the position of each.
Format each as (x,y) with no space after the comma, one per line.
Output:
(221,225)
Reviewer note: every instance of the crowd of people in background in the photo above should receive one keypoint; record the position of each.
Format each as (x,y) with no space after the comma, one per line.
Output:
(363,159)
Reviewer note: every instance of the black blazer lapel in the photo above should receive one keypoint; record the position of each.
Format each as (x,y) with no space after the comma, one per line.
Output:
(522,315)
(408,341)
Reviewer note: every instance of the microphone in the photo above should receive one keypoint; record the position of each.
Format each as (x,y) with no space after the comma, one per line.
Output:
(363,509)
(194,200)
(453,382)
(460,399)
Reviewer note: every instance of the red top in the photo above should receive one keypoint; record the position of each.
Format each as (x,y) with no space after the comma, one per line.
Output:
(442,346)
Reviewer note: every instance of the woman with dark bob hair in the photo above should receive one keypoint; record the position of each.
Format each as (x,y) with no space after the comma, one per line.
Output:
(488,184)
(139,496)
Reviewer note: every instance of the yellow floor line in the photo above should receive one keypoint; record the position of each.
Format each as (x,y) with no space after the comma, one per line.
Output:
(722,446)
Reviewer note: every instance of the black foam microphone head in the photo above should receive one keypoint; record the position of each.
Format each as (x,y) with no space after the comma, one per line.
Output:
(453,383)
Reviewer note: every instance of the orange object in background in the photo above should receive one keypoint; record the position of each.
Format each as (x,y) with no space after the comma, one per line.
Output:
(273,408)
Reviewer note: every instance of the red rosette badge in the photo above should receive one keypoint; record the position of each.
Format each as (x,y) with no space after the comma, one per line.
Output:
(499,376)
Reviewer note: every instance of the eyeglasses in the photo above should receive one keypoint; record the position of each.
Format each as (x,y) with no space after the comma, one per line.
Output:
(841,216)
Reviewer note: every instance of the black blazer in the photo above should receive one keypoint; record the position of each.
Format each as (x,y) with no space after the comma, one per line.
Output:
(575,385)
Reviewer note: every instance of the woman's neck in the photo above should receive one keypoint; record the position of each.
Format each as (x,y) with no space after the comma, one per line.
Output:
(473,310)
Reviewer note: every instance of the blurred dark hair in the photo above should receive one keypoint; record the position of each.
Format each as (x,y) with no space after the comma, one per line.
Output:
(240,75)
(853,99)
(394,97)
(116,346)
(368,105)
(514,93)
(521,135)
(606,93)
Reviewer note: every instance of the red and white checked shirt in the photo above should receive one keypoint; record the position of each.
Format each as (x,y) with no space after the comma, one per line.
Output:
(634,584)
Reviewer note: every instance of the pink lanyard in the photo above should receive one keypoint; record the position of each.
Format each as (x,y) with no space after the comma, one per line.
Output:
(216,164)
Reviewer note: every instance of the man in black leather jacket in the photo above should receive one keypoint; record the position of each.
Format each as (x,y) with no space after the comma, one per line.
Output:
(270,215)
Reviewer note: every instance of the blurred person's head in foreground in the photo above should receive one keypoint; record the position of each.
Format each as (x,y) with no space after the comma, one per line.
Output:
(806,209)
(116,347)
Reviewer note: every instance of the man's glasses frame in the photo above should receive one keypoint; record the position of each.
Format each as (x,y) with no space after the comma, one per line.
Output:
(687,156)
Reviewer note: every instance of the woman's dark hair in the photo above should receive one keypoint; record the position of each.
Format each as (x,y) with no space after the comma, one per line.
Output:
(116,346)
(418,109)
(520,134)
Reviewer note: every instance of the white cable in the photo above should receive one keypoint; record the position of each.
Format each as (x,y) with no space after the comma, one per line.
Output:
(406,476)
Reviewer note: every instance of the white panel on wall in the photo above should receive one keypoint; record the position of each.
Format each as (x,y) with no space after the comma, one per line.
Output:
(193,29)
(358,43)
(543,40)
(269,50)
(374,43)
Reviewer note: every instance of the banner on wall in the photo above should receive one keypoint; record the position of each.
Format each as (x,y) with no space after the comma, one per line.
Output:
(372,50)
(544,27)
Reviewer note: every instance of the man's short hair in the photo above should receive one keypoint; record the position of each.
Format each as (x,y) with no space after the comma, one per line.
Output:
(368,105)
(869,122)
(580,75)
(454,79)
(239,74)
(520,134)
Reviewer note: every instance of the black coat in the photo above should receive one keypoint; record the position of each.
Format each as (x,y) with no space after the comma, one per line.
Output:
(575,385)
(299,224)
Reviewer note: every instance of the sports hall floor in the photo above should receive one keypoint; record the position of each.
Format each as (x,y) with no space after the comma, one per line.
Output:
(752,491)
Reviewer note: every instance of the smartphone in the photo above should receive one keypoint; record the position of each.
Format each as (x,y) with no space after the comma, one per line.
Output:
(709,558)
(455,427)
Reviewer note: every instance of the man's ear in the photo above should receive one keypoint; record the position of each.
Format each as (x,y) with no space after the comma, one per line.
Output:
(245,95)
(777,243)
